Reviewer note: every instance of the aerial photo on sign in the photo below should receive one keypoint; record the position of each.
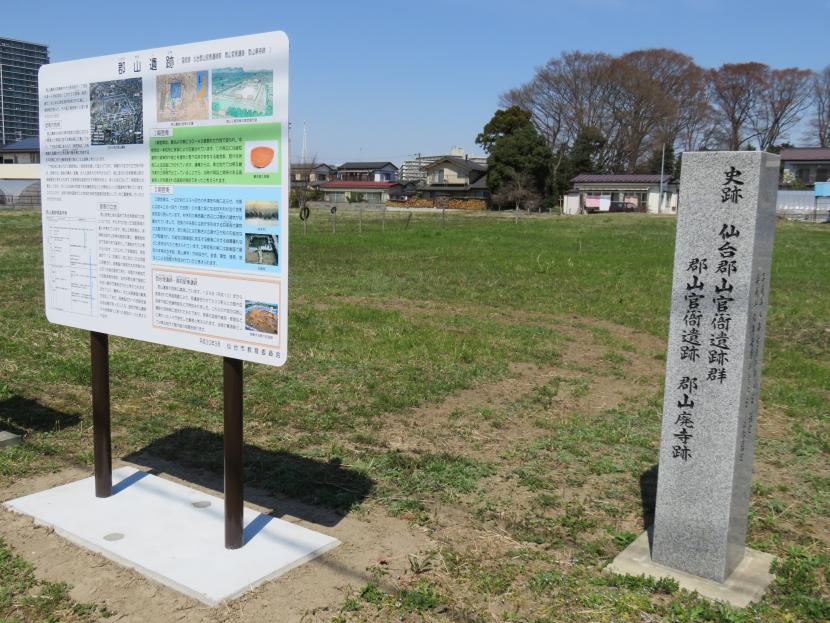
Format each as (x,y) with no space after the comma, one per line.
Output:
(116,112)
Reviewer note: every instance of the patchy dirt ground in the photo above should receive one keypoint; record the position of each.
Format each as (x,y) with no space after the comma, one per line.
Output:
(311,592)
(600,367)
(471,421)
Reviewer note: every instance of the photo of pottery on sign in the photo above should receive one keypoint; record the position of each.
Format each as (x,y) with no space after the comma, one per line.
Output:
(261,156)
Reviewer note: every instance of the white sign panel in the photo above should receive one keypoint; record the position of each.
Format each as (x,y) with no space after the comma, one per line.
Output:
(165,195)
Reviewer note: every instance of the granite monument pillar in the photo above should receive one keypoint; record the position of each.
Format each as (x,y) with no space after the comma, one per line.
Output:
(723,253)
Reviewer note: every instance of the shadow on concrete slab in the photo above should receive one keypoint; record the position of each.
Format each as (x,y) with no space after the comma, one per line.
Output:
(321,492)
(128,481)
(22,416)
(648,498)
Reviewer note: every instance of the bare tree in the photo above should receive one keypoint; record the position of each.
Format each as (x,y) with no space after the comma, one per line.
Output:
(637,101)
(518,191)
(821,120)
(655,97)
(546,108)
(566,95)
(302,193)
(786,94)
(699,127)
(734,90)
(690,127)
(645,99)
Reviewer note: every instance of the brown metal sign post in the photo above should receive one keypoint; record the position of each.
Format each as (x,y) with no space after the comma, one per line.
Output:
(102,437)
(233,453)
(102,444)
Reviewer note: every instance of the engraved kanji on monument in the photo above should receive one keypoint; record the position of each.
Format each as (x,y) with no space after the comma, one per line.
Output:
(725,231)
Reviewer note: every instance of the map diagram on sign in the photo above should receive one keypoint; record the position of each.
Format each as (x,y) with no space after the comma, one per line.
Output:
(240,93)
(182,97)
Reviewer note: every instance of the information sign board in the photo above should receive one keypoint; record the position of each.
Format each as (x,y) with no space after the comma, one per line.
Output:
(165,195)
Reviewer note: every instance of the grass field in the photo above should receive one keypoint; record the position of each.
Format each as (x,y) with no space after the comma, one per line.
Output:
(497,385)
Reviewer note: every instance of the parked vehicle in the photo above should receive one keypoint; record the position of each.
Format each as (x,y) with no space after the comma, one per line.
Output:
(622,206)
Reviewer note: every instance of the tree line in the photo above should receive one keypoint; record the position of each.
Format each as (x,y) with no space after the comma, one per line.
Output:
(602,113)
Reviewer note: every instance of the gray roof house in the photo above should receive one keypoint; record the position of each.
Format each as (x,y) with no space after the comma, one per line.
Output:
(637,192)
(367,172)
(806,164)
(26,151)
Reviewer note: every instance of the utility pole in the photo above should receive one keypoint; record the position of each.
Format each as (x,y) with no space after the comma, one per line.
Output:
(662,167)
(304,155)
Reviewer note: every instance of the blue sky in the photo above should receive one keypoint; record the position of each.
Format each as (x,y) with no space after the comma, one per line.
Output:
(383,81)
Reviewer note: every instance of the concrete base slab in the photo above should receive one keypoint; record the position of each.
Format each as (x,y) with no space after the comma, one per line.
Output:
(173,534)
(7,439)
(747,583)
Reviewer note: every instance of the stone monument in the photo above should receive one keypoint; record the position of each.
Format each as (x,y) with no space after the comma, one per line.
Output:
(723,253)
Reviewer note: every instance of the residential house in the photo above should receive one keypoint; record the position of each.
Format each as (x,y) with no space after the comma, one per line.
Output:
(634,192)
(806,164)
(367,172)
(20,174)
(26,151)
(344,191)
(309,175)
(457,178)
(415,170)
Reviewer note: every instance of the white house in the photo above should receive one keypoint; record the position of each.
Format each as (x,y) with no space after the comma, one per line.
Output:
(806,164)
(622,192)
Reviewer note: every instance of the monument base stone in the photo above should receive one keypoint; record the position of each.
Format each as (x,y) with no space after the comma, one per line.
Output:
(747,583)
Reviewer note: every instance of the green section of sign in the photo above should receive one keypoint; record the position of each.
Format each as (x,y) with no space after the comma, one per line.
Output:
(218,154)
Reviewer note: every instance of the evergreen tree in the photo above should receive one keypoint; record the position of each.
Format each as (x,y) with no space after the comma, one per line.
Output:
(656,159)
(584,153)
(516,151)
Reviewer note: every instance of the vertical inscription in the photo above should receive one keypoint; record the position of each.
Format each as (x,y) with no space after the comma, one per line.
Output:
(755,335)
(714,320)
